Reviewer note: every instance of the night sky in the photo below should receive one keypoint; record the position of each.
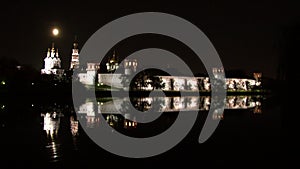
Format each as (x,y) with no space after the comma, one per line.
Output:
(245,34)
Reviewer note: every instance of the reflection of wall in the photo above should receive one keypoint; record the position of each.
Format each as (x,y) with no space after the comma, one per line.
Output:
(239,102)
(87,108)
(119,115)
(218,114)
(167,104)
(92,121)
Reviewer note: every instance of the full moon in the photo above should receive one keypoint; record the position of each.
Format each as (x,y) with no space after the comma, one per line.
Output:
(55,31)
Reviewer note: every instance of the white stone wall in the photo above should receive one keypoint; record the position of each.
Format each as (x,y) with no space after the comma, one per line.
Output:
(87,78)
(113,80)
(240,84)
(181,83)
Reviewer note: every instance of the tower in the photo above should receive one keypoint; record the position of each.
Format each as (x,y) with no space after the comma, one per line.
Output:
(52,62)
(130,66)
(75,55)
(218,73)
(112,63)
(257,76)
(91,72)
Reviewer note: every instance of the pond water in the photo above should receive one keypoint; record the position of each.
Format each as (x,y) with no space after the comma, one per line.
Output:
(46,133)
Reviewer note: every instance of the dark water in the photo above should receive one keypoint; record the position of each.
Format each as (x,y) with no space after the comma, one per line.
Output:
(32,136)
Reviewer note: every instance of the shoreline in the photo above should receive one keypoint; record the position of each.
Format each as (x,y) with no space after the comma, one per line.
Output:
(107,93)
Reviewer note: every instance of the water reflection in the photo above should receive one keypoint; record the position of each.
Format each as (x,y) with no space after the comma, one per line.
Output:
(62,118)
(51,123)
(74,126)
(106,107)
(118,115)
(55,121)
(54,151)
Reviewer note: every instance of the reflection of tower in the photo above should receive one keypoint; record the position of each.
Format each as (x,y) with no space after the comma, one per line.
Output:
(112,63)
(51,123)
(74,126)
(128,124)
(112,120)
(75,55)
(130,66)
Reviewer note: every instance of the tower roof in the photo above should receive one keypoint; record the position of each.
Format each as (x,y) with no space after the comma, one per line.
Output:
(113,59)
(75,43)
(57,52)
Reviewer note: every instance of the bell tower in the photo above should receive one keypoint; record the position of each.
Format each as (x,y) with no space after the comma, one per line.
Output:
(75,55)
(130,66)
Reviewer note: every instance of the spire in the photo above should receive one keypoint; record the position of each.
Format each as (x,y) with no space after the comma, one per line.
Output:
(56,53)
(48,52)
(52,45)
(52,51)
(114,55)
(75,44)
(75,55)
(113,58)
(75,38)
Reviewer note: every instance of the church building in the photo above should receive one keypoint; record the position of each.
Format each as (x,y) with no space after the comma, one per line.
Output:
(52,63)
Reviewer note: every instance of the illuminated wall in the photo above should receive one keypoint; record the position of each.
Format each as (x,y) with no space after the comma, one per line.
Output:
(171,83)
(113,80)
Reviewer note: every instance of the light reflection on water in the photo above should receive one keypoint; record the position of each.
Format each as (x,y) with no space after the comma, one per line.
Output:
(55,131)
(107,108)
(54,151)
(54,115)
(249,124)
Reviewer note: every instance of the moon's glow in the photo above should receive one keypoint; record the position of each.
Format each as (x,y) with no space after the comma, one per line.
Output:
(55,31)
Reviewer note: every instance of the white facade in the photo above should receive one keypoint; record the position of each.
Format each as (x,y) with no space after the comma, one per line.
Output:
(52,63)
(75,56)
(171,83)
(88,78)
(130,66)
(240,84)
(113,80)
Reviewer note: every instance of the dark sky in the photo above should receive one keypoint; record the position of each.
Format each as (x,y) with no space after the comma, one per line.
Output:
(245,33)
